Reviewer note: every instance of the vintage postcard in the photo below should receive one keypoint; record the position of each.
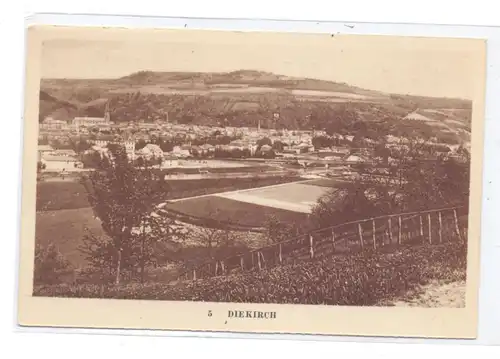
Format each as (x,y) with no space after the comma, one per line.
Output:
(252,182)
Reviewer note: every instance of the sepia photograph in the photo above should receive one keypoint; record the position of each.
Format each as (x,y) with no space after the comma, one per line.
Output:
(269,176)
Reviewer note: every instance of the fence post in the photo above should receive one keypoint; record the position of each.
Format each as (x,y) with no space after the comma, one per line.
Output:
(223,267)
(242,263)
(456,224)
(389,220)
(258,260)
(311,245)
(333,239)
(360,230)
(253,261)
(429,222)
(373,234)
(440,228)
(194,274)
(280,256)
(216,267)
(399,229)
(421,228)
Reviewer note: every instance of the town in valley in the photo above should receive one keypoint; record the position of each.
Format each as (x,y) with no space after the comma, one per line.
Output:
(250,186)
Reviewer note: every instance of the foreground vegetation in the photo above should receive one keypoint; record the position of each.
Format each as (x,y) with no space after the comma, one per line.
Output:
(367,278)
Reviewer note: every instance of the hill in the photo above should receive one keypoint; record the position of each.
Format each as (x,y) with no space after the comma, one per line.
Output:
(245,97)
(54,107)
(59,109)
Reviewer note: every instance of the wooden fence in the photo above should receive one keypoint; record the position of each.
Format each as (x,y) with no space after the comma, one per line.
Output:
(379,233)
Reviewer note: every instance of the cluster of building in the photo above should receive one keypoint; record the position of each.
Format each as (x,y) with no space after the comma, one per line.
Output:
(189,140)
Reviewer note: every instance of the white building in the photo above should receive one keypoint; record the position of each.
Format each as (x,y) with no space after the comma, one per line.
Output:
(60,163)
(182,151)
(150,151)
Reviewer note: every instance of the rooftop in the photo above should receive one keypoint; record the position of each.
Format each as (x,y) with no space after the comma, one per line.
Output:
(45,148)
(51,158)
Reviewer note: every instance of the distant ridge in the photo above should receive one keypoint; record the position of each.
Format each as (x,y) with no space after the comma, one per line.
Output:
(58,109)
(246,98)
(248,77)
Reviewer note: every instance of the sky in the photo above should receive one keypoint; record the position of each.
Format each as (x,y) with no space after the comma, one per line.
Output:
(419,66)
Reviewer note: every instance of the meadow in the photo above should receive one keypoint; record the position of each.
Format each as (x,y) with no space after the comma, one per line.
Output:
(66,228)
(189,188)
(64,214)
(57,195)
(223,210)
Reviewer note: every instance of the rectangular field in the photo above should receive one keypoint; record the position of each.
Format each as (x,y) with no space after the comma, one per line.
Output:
(227,210)
(55,195)
(289,202)
(297,197)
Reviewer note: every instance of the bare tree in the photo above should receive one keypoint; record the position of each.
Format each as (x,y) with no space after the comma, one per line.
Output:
(215,235)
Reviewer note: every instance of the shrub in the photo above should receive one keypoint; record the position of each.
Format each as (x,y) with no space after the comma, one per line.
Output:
(50,265)
(367,278)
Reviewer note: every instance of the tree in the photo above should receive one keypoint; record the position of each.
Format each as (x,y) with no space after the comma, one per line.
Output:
(151,241)
(342,205)
(419,179)
(140,144)
(92,160)
(264,141)
(166,146)
(382,152)
(213,235)
(122,198)
(278,231)
(321,141)
(140,161)
(278,146)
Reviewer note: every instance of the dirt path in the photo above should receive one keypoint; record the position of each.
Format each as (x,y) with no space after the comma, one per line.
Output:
(436,295)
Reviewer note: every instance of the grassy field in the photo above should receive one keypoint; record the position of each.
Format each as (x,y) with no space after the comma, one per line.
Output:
(64,212)
(66,229)
(326,182)
(190,188)
(364,279)
(226,210)
(56,195)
